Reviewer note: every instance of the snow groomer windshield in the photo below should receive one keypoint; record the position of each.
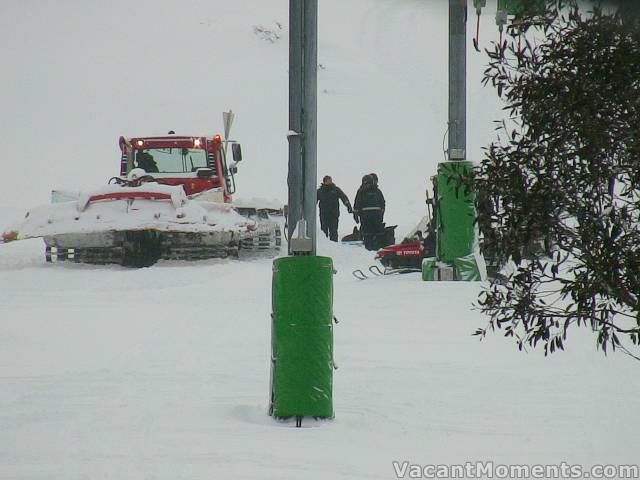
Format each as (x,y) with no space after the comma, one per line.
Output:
(171,160)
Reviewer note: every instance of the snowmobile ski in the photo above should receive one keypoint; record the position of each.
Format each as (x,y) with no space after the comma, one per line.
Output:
(375,271)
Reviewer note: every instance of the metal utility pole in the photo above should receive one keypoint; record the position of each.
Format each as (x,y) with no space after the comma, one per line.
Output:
(303,70)
(456,256)
(302,285)
(457,79)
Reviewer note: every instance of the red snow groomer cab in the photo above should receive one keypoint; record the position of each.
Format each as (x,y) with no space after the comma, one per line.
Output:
(198,163)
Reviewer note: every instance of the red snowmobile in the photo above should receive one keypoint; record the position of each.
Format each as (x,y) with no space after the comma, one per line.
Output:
(408,254)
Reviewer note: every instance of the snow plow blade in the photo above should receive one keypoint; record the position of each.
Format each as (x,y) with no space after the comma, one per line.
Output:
(136,226)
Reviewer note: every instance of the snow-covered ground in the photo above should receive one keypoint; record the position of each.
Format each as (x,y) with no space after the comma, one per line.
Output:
(163,372)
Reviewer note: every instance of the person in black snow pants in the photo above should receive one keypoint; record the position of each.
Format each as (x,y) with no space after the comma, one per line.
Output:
(368,209)
(328,196)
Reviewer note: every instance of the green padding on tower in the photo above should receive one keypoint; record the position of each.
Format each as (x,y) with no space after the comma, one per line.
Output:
(456,213)
(467,269)
(302,337)
(429,269)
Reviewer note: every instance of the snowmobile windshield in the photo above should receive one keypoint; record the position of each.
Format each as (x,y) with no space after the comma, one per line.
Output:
(173,160)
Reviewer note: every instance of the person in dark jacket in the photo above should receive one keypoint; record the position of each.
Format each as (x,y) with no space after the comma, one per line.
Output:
(369,208)
(145,161)
(328,196)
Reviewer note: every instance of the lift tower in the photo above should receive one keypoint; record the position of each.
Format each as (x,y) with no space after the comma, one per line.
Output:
(456,257)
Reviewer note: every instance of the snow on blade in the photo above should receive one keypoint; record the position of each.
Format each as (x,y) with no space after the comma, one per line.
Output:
(130,208)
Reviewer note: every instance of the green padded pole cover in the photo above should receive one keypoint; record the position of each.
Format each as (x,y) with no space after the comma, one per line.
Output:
(302,337)
(429,269)
(456,213)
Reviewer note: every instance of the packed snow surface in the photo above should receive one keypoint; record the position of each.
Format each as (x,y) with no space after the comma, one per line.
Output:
(163,372)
